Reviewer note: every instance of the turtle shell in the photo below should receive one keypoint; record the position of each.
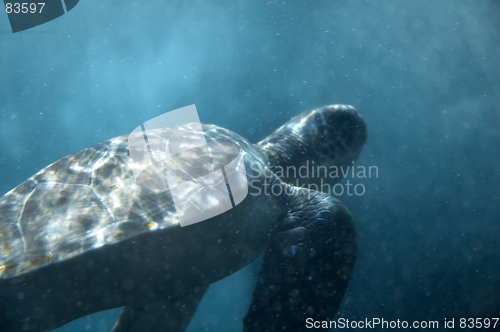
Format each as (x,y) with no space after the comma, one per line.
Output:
(91,198)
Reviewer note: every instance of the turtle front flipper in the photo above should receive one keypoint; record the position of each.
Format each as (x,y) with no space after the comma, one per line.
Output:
(307,266)
(170,313)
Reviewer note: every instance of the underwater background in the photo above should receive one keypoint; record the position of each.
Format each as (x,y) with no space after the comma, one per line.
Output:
(425,75)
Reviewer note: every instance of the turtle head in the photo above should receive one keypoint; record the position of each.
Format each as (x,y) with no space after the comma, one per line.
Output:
(324,139)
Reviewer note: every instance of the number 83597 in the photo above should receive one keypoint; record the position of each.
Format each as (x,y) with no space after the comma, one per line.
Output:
(26,7)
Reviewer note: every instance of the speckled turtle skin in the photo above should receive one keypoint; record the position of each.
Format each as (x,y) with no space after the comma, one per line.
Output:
(81,236)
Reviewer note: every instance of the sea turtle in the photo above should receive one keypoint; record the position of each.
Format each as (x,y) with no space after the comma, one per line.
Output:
(81,236)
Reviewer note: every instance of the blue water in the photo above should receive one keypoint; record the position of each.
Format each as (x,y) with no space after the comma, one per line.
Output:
(424,74)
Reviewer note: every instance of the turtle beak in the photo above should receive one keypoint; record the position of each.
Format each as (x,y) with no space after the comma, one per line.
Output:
(342,127)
